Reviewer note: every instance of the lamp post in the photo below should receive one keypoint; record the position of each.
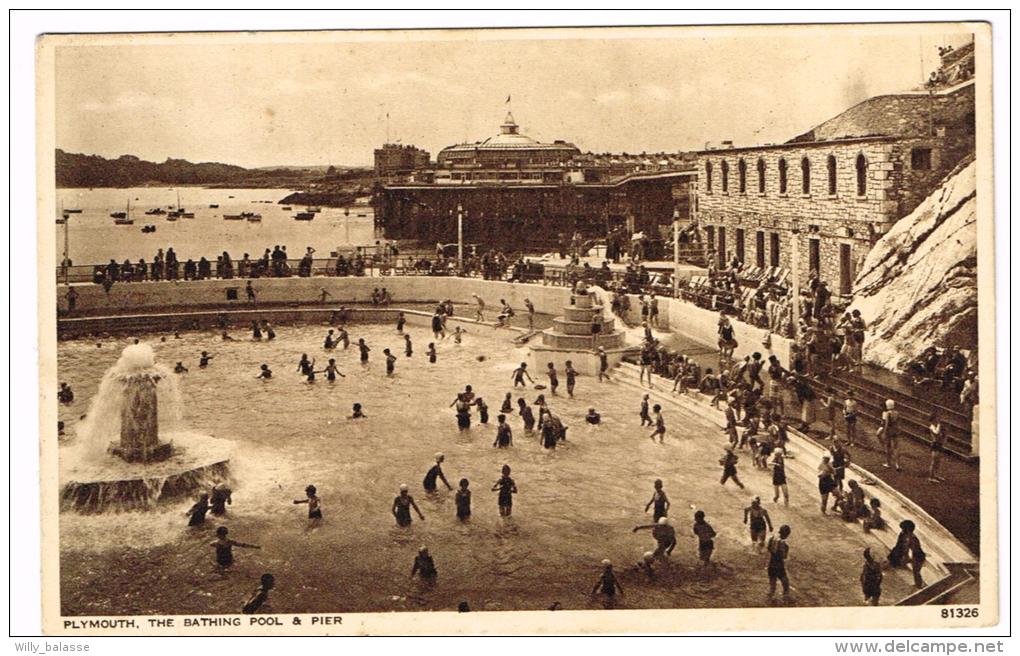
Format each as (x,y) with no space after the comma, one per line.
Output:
(460,237)
(795,273)
(676,251)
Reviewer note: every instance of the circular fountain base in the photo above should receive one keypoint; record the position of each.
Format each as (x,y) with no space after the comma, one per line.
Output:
(93,483)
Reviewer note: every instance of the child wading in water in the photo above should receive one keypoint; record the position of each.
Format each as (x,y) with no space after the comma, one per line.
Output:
(504,436)
(314,506)
(203,360)
(424,566)
(431,352)
(729,465)
(519,375)
(402,505)
(225,548)
(408,347)
(554,380)
(260,596)
(401,321)
(390,361)
(363,348)
(507,488)
(705,533)
(660,424)
(508,404)
(571,374)
(659,500)
(265,373)
(463,501)
(646,419)
(332,371)
(607,584)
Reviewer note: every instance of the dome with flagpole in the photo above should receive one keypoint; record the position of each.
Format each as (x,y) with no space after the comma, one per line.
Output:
(508,148)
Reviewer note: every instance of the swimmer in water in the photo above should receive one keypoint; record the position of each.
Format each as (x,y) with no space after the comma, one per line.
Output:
(225,336)
(219,498)
(438,329)
(458,333)
(659,500)
(519,374)
(364,350)
(343,337)
(436,471)
(197,512)
(463,501)
(390,361)
(305,365)
(259,597)
(705,533)
(329,342)
(660,424)
(268,330)
(408,347)
(508,404)
(332,371)
(483,410)
(504,436)
(507,488)
(571,374)
(424,566)
(225,547)
(554,380)
(431,352)
(356,412)
(759,521)
(402,505)
(401,322)
(179,368)
(265,373)
(203,360)
(314,506)
(664,534)
(593,418)
(256,331)
(607,584)
(526,415)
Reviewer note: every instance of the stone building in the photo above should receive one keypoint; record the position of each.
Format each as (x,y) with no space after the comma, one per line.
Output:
(831,192)
(399,159)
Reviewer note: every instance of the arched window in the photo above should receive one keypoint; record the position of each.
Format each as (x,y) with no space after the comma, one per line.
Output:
(708,177)
(724,168)
(805,176)
(831,164)
(862,175)
(742,176)
(761,176)
(782,176)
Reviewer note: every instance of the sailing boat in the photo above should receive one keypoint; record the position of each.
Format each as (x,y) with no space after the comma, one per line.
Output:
(179,213)
(123,218)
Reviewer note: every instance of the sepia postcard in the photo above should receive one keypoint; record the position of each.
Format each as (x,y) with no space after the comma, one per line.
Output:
(517,331)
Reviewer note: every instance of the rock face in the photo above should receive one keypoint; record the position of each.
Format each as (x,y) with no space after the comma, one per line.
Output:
(918,285)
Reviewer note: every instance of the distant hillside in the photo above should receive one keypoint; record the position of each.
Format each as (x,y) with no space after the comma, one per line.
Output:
(79,170)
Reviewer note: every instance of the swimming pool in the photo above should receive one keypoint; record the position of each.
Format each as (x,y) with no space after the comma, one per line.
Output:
(576,505)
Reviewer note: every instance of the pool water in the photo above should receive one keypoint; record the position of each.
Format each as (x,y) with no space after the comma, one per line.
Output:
(576,505)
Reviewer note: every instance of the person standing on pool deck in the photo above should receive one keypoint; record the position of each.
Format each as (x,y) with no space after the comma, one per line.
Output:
(249,292)
(314,506)
(437,326)
(779,550)
(826,481)
(937,435)
(402,505)
(660,424)
(519,374)
(603,364)
(531,313)
(507,488)
(363,348)
(225,547)
(390,361)
(891,435)
(908,551)
(479,308)
(463,501)
(850,417)
(705,533)
(504,436)
(554,380)
(436,471)
(401,321)
(408,347)
(571,374)
(659,500)
(729,465)
(431,352)
(778,465)
(759,521)
(871,579)
(646,419)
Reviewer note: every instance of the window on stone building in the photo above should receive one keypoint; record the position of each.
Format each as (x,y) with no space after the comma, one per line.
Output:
(708,177)
(761,176)
(920,159)
(774,249)
(742,176)
(738,244)
(724,170)
(782,176)
(721,250)
(805,176)
(710,237)
(846,270)
(831,166)
(759,246)
(861,165)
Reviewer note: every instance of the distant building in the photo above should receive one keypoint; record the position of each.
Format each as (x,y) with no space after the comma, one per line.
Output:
(400,159)
(834,190)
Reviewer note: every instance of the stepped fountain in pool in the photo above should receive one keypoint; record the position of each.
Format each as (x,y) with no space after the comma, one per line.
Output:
(130,451)
(575,336)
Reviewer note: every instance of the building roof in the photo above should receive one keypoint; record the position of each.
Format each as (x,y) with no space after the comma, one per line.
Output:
(509,138)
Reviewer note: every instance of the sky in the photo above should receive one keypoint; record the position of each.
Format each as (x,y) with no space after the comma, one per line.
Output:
(324,99)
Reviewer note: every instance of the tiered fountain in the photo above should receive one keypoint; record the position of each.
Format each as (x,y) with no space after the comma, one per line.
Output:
(574,337)
(138,401)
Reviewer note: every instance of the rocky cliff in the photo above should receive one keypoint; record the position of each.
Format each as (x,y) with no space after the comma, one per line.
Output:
(918,285)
